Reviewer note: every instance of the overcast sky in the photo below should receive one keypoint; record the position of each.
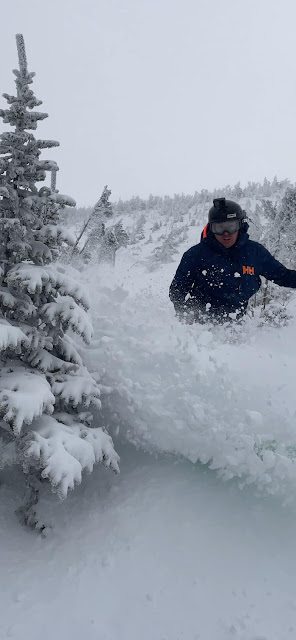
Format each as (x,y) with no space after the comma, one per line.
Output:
(159,96)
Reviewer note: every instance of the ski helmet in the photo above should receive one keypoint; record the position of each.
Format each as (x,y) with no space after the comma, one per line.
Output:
(225,210)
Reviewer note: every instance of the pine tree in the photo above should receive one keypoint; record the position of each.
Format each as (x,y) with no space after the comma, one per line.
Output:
(138,232)
(165,253)
(269,210)
(45,391)
(95,226)
(280,240)
(114,238)
(255,226)
(266,188)
(237,191)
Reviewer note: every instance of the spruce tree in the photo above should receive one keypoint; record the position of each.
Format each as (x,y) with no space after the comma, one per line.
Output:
(280,237)
(45,391)
(113,238)
(280,240)
(95,227)
(269,209)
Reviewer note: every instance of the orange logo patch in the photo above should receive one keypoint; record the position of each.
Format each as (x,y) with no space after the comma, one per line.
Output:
(248,270)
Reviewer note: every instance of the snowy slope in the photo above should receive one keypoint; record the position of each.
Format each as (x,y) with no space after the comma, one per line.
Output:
(167,550)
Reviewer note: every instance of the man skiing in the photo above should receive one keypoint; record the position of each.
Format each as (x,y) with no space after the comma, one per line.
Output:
(217,277)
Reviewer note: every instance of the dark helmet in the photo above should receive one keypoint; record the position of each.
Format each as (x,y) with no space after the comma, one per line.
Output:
(225,210)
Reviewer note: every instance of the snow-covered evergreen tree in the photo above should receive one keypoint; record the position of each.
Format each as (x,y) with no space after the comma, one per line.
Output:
(95,226)
(165,253)
(255,226)
(113,238)
(138,232)
(269,210)
(157,225)
(266,188)
(280,240)
(45,391)
(237,192)
(281,237)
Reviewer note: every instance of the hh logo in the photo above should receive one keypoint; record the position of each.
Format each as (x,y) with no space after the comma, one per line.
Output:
(249,270)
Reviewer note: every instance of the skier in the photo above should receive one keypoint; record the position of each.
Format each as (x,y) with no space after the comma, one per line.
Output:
(217,277)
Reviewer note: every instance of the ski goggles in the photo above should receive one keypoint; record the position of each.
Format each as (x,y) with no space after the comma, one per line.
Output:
(229,226)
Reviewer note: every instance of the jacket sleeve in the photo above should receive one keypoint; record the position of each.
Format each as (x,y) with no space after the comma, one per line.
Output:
(182,284)
(274,270)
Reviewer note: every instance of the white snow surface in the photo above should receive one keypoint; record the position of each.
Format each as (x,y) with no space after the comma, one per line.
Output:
(164,551)
(195,540)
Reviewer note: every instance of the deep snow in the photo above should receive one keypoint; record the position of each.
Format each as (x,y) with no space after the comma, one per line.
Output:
(167,550)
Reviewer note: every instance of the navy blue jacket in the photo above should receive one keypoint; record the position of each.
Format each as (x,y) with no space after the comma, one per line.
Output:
(215,281)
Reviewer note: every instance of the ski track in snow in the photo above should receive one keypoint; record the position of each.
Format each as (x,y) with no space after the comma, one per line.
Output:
(167,550)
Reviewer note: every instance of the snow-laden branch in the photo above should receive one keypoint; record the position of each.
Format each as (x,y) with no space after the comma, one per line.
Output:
(62,199)
(34,278)
(8,453)
(24,395)
(66,286)
(63,451)
(11,337)
(67,350)
(22,305)
(76,388)
(66,313)
(29,277)
(55,233)
(47,165)
(47,362)
(40,250)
